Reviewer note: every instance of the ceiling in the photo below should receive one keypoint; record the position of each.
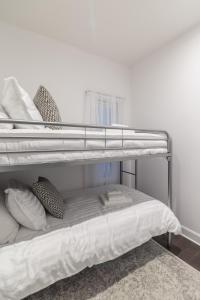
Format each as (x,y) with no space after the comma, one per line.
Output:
(123,30)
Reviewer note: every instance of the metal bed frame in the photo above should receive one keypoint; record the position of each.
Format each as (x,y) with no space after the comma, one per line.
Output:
(167,156)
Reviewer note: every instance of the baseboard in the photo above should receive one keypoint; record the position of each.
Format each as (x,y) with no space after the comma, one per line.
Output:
(191,235)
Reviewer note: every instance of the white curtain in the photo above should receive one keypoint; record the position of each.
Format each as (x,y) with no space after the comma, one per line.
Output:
(101,109)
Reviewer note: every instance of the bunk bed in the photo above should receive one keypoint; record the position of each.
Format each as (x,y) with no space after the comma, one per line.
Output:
(38,260)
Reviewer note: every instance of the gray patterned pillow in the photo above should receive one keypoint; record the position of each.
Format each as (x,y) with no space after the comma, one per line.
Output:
(47,107)
(49,196)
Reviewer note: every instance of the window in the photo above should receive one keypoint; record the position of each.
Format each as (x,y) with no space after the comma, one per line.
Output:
(102,109)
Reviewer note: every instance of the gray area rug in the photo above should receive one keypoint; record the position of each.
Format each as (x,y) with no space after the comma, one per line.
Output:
(147,272)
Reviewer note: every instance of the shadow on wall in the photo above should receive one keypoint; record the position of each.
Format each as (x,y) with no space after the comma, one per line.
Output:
(152,178)
(64,178)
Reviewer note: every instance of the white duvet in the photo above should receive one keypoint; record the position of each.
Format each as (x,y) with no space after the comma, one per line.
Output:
(29,266)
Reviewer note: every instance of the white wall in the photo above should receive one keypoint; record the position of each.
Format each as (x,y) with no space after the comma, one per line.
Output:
(166,95)
(66,72)
(165,92)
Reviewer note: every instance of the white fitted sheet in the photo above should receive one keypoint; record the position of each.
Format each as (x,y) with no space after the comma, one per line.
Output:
(24,146)
(90,236)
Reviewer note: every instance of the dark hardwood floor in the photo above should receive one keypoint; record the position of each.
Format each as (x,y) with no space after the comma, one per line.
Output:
(183,248)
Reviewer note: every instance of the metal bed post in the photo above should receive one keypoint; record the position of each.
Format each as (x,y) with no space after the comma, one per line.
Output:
(136,174)
(121,172)
(169,186)
(169,191)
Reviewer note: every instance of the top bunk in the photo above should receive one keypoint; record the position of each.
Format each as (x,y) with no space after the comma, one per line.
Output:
(37,144)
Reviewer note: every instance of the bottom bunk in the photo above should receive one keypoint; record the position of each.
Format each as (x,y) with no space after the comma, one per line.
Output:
(90,233)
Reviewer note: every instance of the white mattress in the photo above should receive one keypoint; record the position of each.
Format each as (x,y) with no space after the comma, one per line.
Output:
(24,146)
(78,133)
(91,235)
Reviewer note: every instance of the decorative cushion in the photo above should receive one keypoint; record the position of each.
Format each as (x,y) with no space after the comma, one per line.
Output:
(47,107)
(49,196)
(18,104)
(24,206)
(3,115)
(8,226)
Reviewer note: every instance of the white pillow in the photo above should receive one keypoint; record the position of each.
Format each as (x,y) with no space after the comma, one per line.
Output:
(25,207)
(18,104)
(8,226)
(3,115)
